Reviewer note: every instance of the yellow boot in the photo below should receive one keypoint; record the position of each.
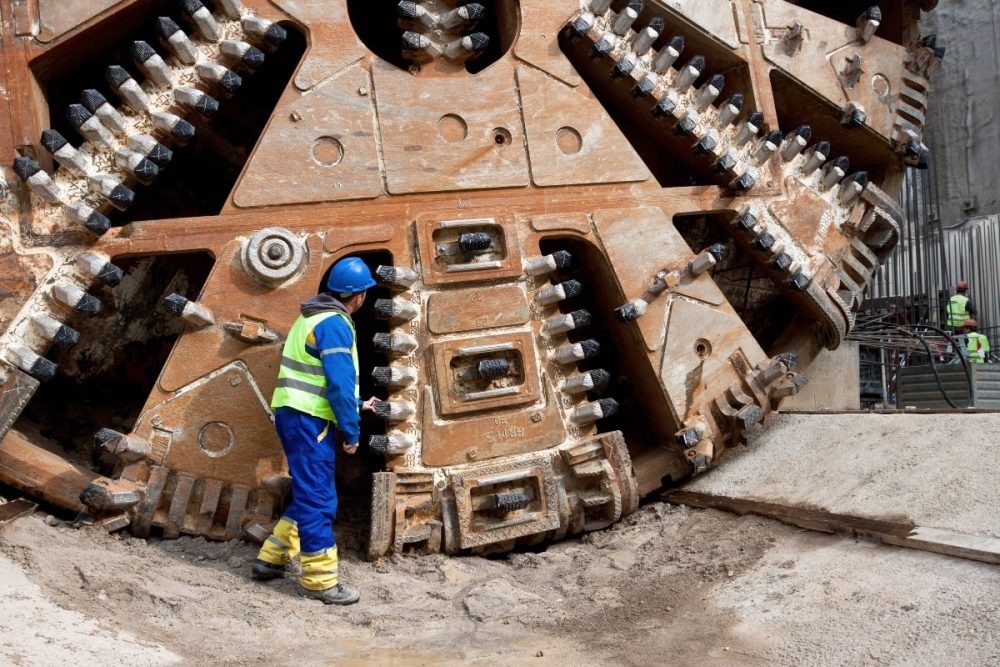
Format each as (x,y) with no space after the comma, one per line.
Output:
(320,575)
(275,557)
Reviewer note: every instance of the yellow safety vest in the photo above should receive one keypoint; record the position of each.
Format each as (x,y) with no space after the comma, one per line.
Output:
(957,313)
(301,381)
(975,342)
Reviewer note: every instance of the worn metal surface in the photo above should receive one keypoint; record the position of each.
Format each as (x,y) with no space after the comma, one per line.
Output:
(917,387)
(560,222)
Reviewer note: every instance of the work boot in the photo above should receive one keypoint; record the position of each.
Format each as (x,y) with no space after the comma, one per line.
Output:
(264,571)
(339,594)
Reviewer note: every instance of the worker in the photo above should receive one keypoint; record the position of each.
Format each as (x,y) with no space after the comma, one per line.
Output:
(977,345)
(316,405)
(960,307)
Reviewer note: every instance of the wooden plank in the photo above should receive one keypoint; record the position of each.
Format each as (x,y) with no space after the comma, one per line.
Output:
(949,543)
(15,509)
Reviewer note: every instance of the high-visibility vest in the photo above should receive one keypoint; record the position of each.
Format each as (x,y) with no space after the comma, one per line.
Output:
(957,313)
(978,346)
(301,381)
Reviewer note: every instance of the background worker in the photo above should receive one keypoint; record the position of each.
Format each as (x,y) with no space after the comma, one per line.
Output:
(316,404)
(977,345)
(960,307)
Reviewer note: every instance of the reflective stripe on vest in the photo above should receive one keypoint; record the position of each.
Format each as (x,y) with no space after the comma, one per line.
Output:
(974,343)
(301,381)
(957,314)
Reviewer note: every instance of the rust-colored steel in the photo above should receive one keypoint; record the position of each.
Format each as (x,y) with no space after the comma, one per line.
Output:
(609,235)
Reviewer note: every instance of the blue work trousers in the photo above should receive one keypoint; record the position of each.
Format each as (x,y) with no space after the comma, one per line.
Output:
(310,447)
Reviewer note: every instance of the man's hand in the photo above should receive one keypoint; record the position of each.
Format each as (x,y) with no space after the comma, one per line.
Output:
(369,405)
(350,449)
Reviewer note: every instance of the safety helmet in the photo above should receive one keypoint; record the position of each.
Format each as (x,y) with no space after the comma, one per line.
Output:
(969,324)
(349,276)
(962,285)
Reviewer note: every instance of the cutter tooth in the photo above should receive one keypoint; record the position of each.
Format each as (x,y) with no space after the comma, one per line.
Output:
(127,448)
(868,23)
(468,47)
(394,411)
(707,259)
(30,362)
(397,344)
(574,352)
(834,172)
(467,17)
(852,187)
(632,311)
(581,25)
(206,25)
(217,75)
(689,73)
(247,55)
(394,377)
(176,41)
(595,411)
(625,65)
(174,126)
(796,143)
(98,105)
(392,444)
(268,34)
(93,221)
(191,313)
(750,128)
(539,266)
(127,88)
(647,36)
(151,148)
(233,9)
(117,194)
(54,331)
(622,23)
(65,153)
(816,157)
(711,143)
(561,324)
(556,293)
(667,106)
(647,85)
(196,100)
(397,276)
(141,167)
(596,380)
(731,109)
(854,116)
(106,496)
(37,179)
(605,45)
(668,55)
(768,146)
(88,125)
(688,123)
(710,92)
(100,267)
(599,7)
(151,64)
(75,298)
(395,310)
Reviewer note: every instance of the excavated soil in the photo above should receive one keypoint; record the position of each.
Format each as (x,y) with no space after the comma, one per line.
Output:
(669,585)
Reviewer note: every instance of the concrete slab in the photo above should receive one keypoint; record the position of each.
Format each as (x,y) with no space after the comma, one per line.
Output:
(900,478)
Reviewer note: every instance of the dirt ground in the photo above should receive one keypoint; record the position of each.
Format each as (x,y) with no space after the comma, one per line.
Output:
(669,585)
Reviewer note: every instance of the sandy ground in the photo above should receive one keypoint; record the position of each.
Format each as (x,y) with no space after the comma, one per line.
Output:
(937,470)
(669,585)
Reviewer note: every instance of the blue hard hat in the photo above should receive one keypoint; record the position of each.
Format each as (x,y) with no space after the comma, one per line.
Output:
(350,275)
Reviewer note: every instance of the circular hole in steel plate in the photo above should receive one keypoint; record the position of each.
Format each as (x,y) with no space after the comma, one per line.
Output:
(327,151)
(453,128)
(215,439)
(702,348)
(569,140)
(881,85)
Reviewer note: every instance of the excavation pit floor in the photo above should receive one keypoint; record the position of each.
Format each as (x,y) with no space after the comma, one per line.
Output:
(669,585)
